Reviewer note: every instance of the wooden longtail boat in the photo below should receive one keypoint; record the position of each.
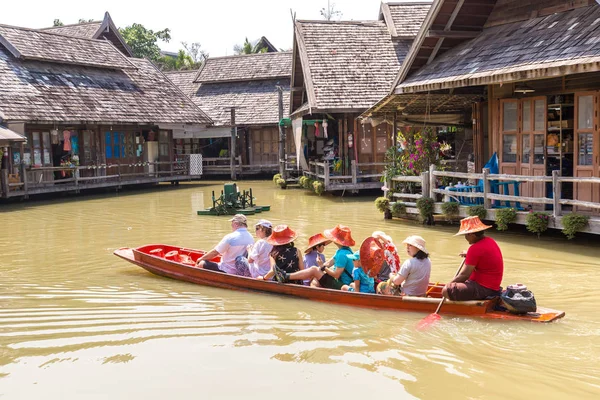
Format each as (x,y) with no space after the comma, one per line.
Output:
(179,263)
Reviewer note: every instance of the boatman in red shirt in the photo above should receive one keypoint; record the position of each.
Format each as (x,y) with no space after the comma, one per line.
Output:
(481,275)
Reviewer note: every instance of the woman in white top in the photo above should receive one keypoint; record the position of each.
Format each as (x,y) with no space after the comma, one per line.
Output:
(258,262)
(413,277)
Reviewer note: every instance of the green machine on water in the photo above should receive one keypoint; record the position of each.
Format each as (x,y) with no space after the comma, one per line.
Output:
(232,201)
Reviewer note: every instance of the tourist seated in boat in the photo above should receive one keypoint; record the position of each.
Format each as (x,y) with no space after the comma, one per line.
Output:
(391,263)
(337,271)
(285,257)
(314,252)
(229,248)
(413,277)
(363,283)
(482,272)
(258,262)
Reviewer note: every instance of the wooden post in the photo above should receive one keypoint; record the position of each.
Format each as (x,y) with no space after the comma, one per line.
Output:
(425,182)
(326,172)
(233,144)
(395,138)
(4,180)
(282,170)
(25,184)
(353,167)
(431,182)
(76,176)
(487,204)
(556,193)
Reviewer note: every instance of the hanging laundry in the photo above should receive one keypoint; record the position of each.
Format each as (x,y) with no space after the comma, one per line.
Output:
(67,143)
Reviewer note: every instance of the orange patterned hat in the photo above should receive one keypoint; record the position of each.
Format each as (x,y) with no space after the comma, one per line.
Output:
(371,256)
(471,225)
(341,235)
(282,234)
(315,240)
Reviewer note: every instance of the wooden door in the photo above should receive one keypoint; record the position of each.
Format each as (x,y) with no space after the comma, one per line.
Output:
(531,137)
(509,136)
(265,146)
(586,145)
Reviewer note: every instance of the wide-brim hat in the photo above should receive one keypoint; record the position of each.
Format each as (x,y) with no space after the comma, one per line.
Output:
(372,256)
(316,240)
(282,234)
(416,241)
(471,225)
(341,235)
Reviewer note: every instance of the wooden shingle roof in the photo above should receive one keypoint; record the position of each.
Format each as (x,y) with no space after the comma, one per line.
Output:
(347,65)
(553,45)
(184,80)
(246,67)
(404,19)
(83,30)
(32,90)
(29,44)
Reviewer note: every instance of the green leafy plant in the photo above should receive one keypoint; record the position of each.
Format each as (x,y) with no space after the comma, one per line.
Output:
(573,223)
(282,183)
(276,177)
(425,206)
(537,222)
(450,210)
(302,180)
(382,204)
(505,216)
(478,211)
(398,209)
(318,187)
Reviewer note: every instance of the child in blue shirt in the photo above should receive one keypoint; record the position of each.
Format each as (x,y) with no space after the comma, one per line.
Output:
(363,283)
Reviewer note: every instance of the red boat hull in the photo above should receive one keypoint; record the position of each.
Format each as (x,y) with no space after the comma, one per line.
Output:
(151,259)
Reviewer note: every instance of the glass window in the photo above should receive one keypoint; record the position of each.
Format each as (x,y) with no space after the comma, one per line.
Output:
(509,148)
(116,147)
(586,112)
(526,149)
(37,149)
(510,116)
(586,148)
(540,115)
(526,116)
(108,145)
(538,149)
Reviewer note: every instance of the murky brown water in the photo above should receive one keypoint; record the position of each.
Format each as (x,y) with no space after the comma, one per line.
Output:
(77,322)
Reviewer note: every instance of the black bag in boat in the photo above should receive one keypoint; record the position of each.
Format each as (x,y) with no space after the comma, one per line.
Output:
(518,300)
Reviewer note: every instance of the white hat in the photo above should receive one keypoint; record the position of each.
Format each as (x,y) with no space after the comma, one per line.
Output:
(416,241)
(265,223)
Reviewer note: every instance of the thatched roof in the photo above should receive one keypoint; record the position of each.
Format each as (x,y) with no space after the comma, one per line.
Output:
(553,45)
(246,67)
(345,66)
(29,44)
(32,90)
(404,19)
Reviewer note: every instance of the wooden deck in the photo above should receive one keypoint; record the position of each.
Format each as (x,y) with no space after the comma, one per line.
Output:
(363,176)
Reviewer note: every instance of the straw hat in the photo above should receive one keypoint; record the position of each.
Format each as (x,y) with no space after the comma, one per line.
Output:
(372,256)
(471,225)
(416,241)
(316,240)
(282,234)
(240,219)
(341,235)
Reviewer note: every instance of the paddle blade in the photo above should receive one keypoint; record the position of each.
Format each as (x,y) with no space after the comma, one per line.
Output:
(428,321)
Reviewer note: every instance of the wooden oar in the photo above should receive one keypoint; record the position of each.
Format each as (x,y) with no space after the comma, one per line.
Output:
(432,318)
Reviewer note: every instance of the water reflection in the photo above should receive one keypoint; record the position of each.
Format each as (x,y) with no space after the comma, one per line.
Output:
(74,316)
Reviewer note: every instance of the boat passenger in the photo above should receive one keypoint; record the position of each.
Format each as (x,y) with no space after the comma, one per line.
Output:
(229,248)
(337,271)
(285,257)
(413,277)
(391,263)
(314,251)
(363,283)
(258,261)
(482,272)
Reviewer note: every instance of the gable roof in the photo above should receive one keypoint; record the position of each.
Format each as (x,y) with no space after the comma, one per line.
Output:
(345,65)
(553,45)
(404,19)
(35,90)
(29,44)
(264,42)
(184,80)
(105,29)
(246,67)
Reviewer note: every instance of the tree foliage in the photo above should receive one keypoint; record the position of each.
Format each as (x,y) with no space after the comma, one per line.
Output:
(330,12)
(143,41)
(249,47)
(58,22)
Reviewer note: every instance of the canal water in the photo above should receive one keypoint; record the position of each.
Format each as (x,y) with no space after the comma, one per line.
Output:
(77,322)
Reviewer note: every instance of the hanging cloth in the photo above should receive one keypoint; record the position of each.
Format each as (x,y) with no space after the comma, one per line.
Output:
(67,143)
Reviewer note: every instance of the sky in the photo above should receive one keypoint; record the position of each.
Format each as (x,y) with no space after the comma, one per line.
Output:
(217,25)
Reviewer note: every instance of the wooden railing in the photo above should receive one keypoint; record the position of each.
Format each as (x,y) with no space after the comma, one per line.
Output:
(426,186)
(364,172)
